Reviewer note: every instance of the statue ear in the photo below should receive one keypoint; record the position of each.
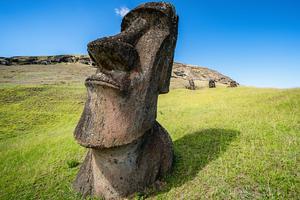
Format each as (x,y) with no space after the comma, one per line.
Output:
(165,75)
(166,62)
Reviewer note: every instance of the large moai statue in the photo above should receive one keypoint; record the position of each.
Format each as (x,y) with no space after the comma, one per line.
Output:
(128,149)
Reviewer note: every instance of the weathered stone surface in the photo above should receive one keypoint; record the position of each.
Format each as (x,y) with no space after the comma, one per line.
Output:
(129,149)
(118,172)
(130,94)
(211,83)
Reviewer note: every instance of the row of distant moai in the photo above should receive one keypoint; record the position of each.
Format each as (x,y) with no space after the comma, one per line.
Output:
(128,149)
(211,84)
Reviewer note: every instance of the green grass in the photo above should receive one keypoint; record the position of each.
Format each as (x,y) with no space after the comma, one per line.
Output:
(230,143)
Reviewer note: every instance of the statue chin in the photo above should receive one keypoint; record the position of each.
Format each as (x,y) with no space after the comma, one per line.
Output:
(110,120)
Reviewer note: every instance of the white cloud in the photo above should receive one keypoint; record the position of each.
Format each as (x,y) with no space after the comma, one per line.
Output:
(122,11)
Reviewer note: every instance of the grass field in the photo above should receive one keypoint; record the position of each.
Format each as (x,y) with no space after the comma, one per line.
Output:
(230,143)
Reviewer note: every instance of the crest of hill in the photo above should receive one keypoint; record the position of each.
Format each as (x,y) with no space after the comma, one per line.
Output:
(181,73)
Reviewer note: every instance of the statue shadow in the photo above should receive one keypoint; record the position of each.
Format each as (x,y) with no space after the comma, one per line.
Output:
(193,152)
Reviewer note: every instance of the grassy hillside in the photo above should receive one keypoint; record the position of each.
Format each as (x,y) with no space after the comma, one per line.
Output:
(229,142)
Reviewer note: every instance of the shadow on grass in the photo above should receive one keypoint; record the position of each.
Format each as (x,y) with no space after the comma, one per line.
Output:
(194,151)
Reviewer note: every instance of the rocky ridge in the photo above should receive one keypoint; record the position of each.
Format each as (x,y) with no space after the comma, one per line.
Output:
(193,72)
(45,60)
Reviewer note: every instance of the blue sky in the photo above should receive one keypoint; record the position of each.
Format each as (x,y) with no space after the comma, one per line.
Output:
(256,43)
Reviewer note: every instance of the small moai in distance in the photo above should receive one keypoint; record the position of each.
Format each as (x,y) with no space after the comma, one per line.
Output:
(233,84)
(191,85)
(211,83)
(128,149)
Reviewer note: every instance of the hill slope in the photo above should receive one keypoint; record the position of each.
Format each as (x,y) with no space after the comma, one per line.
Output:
(180,75)
(229,143)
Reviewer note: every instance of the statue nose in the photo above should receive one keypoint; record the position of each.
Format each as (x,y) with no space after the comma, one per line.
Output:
(113,54)
(118,52)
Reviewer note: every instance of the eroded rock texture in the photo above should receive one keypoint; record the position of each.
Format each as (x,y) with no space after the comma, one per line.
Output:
(128,148)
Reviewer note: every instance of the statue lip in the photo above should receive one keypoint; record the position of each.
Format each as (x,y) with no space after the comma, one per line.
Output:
(103,80)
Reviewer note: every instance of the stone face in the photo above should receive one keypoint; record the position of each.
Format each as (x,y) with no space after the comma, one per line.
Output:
(122,95)
(211,83)
(129,150)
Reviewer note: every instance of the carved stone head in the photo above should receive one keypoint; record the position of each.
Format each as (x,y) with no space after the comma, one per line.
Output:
(133,68)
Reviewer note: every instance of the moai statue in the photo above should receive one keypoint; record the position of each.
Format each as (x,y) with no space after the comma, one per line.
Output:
(233,84)
(211,83)
(128,149)
(191,85)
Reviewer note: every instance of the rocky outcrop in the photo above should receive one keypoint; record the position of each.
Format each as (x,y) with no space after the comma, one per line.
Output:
(187,72)
(128,149)
(45,60)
